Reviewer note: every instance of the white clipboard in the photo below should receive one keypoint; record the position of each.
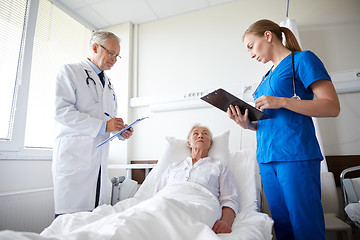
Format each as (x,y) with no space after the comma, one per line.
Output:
(120,132)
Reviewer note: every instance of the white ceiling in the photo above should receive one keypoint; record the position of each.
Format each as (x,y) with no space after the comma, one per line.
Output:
(99,14)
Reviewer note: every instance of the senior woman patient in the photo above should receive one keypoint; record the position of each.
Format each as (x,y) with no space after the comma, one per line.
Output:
(200,168)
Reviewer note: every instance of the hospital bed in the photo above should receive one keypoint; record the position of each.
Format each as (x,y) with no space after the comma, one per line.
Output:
(145,216)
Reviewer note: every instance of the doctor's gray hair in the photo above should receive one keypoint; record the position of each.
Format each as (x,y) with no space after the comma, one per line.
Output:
(198,125)
(100,37)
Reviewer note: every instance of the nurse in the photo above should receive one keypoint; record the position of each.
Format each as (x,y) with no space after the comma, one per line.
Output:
(287,149)
(84,103)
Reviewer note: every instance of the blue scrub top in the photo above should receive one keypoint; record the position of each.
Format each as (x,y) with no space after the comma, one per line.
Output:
(289,136)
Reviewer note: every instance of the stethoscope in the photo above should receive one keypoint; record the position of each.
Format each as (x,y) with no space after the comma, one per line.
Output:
(96,95)
(295,96)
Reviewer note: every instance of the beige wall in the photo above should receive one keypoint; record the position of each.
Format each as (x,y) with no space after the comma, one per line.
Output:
(204,49)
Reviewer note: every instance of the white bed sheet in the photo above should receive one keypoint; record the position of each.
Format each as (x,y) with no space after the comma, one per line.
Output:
(164,216)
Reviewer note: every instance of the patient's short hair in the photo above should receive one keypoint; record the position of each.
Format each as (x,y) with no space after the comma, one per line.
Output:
(198,125)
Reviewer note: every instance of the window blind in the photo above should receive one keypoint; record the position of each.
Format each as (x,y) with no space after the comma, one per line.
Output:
(59,39)
(12,21)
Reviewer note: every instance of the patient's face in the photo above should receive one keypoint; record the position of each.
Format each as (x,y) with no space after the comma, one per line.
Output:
(200,138)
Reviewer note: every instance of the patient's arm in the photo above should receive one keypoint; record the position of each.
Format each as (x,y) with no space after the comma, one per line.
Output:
(223,225)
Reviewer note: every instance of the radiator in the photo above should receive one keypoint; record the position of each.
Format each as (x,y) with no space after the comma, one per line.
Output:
(27,211)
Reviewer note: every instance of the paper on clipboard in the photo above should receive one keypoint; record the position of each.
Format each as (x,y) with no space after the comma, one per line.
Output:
(222,100)
(120,132)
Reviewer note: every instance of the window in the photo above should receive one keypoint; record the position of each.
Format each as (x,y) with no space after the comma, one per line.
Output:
(12,22)
(58,39)
(37,37)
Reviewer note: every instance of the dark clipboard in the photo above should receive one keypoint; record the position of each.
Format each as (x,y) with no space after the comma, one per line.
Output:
(120,132)
(222,100)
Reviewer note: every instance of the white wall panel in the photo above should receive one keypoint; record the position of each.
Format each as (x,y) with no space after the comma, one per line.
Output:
(204,49)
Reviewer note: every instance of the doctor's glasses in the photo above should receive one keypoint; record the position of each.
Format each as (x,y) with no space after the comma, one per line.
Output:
(110,53)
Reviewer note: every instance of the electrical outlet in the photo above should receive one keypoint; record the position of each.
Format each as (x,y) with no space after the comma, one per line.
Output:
(357,74)
(248,91)
(195,95)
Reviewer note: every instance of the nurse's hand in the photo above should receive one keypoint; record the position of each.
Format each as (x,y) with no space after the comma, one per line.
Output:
(267,102)
(114,124)
(128,133)
(242,120)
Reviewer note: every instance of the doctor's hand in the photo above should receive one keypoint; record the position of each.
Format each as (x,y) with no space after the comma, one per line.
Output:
(242,120)
(128,133)
(114,124)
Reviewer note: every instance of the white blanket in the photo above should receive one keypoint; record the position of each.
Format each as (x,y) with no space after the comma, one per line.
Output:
(179,211)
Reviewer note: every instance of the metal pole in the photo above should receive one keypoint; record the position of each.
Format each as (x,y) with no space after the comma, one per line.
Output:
(287,9)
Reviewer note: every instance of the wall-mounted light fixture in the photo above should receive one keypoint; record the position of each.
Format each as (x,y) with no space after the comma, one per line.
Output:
(346,81)
(184,101)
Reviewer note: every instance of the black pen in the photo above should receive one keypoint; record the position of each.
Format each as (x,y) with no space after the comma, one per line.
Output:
(108,115)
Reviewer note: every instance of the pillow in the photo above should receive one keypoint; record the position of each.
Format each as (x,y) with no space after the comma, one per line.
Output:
(177,150)
(246,173)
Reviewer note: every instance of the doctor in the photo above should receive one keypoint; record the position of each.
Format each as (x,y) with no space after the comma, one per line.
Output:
(84,95)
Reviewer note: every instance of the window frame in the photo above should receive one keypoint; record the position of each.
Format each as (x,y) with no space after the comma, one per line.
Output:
(17,136)
(14,147)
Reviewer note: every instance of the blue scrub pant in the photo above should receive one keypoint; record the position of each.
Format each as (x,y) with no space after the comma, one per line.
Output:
(293,191)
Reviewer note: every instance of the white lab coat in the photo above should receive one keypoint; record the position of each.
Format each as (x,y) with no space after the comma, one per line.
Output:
(79,116)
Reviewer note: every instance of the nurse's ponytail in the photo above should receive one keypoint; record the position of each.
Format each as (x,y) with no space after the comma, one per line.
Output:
(261,26)
(290,40)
